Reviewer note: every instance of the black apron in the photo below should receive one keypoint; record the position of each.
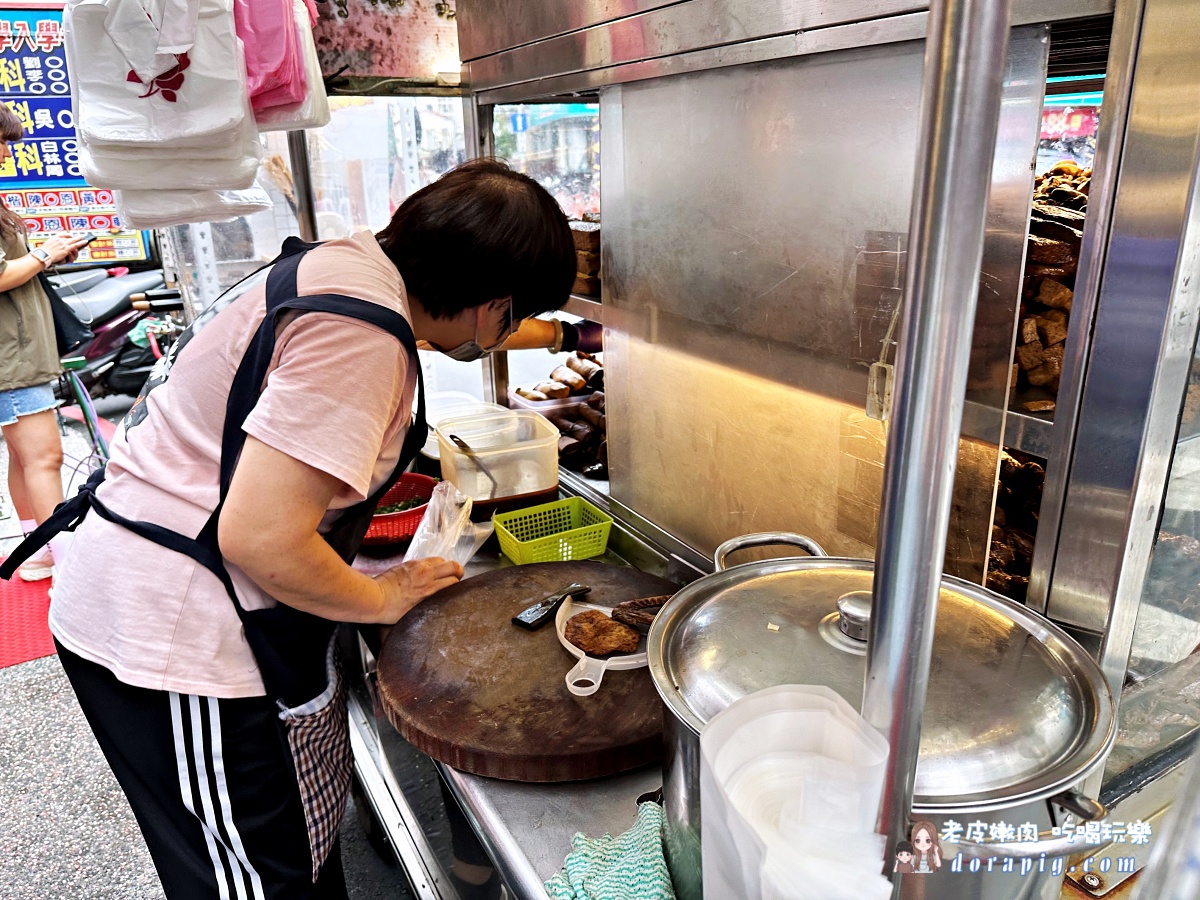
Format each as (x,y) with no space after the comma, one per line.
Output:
(293,649)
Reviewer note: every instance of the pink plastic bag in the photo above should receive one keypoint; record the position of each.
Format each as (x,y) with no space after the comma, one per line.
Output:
(274,58)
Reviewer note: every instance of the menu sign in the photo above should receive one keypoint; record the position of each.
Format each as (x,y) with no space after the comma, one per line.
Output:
(42,180)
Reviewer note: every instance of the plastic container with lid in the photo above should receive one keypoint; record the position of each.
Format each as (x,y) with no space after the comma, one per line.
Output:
(511,453)
(548,407)
(440,405)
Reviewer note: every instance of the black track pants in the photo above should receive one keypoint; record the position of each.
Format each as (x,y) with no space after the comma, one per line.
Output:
(211,784)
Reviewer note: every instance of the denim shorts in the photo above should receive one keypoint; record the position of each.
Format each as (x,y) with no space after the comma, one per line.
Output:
(25,402)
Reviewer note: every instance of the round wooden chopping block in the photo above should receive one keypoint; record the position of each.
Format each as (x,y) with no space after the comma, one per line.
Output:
(460,682)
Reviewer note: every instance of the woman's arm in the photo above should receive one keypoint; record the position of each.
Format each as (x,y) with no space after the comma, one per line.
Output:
(22,269)
(268,529)
(532,334)
(19,271)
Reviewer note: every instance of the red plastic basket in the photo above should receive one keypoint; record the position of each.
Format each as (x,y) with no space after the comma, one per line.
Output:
(391,528)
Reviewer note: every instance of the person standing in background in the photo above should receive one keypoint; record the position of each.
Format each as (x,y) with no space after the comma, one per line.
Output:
(28,366)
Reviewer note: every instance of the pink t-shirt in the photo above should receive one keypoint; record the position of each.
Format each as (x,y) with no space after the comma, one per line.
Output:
(338,397)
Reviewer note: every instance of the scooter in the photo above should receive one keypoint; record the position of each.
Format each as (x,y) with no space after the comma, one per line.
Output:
(103,300)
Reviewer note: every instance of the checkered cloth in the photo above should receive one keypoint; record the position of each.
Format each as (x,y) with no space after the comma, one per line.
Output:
(617,868)
(319,737)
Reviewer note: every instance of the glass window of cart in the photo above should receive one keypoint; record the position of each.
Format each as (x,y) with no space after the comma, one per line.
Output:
(558,144)
(374,153)
(1069,124)
(1159,710)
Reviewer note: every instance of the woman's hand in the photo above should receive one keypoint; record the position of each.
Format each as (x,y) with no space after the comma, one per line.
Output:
(268,529)
(62,249)
(409,583)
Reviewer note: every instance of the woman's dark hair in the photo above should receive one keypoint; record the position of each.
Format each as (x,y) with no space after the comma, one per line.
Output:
(11,129)
(479,233)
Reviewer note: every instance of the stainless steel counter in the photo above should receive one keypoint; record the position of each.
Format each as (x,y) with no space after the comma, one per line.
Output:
(527,828)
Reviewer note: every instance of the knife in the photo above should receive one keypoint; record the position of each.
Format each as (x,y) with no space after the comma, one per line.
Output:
(541,612)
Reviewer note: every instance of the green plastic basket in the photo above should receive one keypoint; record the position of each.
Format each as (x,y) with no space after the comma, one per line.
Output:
(553,532)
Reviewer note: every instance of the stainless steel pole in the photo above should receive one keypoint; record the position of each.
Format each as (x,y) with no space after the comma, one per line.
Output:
(960,107)
(306,210)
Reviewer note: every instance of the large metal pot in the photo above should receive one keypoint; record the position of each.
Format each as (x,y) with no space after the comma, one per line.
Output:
(1016,715)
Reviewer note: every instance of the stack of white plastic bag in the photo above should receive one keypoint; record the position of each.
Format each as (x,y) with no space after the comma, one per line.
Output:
(791,780)
(163,105)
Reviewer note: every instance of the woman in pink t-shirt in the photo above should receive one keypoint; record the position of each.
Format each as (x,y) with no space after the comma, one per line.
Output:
(154,636)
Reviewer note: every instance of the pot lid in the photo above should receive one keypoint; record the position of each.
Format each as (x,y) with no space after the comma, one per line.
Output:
(1016,710)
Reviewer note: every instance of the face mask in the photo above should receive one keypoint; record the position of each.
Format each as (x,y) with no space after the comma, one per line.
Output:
(470,351)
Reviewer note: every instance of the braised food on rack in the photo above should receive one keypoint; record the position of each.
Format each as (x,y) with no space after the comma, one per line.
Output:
(1018,503)
(597,635)
(583,445)
(1052,258)
(587,256)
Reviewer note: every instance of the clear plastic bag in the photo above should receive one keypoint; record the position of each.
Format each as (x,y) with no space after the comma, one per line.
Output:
(166,171)
(447,531)
(790,783)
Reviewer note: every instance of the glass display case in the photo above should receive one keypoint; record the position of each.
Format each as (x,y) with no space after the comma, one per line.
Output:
(556,143)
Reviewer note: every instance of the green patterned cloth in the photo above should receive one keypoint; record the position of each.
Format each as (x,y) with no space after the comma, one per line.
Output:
(629,867)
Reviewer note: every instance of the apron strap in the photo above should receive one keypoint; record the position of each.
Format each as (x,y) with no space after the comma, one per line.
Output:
(288,644)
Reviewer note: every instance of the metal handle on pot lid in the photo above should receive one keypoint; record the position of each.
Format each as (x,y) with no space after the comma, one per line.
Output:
(765,539)
(1080,805)
(854,614)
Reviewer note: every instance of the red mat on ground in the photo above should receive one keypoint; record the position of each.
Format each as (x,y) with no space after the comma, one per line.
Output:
(24,634)
(107,428)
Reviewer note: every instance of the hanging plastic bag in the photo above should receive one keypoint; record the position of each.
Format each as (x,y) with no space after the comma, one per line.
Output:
(161,209)
(313,110)
(446,530)
(147,170)
(127,94)
(274,57)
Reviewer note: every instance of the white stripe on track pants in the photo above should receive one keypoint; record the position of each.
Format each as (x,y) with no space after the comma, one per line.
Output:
(212,786)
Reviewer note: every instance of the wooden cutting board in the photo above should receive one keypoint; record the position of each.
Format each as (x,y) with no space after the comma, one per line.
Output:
(459,681)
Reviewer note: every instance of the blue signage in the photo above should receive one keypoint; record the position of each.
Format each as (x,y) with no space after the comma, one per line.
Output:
(35,85)
(42,181)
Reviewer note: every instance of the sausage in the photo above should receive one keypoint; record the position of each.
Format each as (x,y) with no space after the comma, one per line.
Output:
(575,382)
(568,447)
(554,390)
(592,417)
(580,431)
(590,371)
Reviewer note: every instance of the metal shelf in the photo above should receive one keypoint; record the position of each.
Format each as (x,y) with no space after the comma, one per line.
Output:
(1022,431)
(586,308)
